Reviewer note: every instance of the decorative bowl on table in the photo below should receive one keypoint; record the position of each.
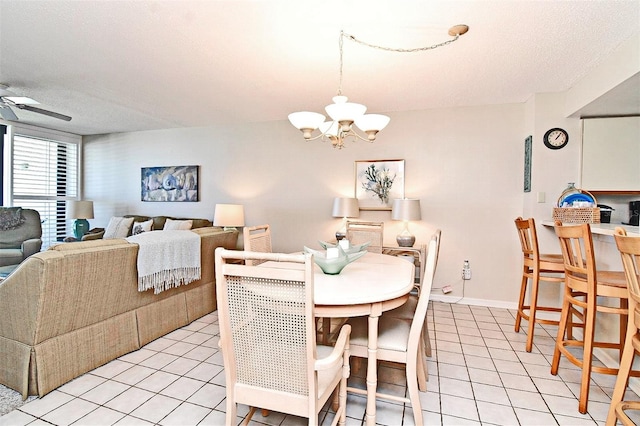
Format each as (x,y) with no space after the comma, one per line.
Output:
(333,265)
(355,248)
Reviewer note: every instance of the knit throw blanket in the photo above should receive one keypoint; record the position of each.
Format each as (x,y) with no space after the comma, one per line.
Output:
(167,259)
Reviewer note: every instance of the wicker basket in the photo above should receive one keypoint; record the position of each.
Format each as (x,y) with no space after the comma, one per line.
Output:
(577,214)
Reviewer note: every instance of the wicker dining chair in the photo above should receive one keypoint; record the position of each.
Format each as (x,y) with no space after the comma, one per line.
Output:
(408,311)
(268,340)
(359,232)
(399,340)
(629,248)
(257,238)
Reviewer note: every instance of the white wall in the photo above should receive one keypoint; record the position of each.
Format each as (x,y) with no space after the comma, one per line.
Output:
(465,164)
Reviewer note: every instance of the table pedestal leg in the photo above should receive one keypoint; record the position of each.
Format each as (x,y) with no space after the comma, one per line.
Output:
(372,367)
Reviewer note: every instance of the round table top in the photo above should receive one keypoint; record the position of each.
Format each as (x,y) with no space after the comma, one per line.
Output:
(372,278)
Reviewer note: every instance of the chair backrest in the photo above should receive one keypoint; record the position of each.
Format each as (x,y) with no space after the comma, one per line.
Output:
(359,232)
(267,328)
(418,321)
(528,239)
(257,239)
(437,235)
(629,248)
(576,245)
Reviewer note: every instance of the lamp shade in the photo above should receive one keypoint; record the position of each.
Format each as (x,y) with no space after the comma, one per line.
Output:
(369,122)
(346,207)
(80,209)
(306,120)
(230,215)
(406,209)
(341,110)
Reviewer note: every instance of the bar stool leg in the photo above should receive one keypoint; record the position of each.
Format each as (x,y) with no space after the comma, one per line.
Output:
(562,328)
(587,359)
(532,311)
(523,291)
(623,373)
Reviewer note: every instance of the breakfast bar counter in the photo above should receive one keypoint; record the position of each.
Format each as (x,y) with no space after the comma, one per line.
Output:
(604,228)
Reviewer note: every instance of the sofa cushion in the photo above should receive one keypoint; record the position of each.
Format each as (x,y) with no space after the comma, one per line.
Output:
(140,227)
(118,227)
(171,224)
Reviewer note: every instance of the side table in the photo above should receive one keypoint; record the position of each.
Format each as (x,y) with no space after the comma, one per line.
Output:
(419,254)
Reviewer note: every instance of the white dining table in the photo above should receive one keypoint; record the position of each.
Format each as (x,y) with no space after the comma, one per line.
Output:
(371,285)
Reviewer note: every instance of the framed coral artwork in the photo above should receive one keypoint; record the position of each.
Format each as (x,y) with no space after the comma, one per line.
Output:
(173,183)
(378,183)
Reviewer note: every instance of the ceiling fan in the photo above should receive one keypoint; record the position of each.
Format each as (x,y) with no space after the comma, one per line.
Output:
(10,100)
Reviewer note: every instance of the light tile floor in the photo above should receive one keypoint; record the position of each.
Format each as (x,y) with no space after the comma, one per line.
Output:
(479,374)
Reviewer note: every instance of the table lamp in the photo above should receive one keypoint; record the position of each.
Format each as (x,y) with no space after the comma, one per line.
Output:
(406,209)
(229,216)
(345,208)
(80,211)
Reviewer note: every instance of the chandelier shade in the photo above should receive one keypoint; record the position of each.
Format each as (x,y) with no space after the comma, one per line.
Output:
(341,110)
(372,122)
(305,120)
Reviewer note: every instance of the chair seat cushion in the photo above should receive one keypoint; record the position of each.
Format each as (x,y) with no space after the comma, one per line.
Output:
(393,333)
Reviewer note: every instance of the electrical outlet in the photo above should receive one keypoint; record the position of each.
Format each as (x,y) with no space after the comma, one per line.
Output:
(466,270)
(466,274)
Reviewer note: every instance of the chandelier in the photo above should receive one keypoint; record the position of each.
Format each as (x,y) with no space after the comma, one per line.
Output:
(344,114)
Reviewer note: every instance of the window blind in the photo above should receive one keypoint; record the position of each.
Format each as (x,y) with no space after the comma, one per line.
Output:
(44,176)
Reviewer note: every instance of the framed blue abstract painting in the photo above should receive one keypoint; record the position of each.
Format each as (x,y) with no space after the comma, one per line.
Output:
(173,183)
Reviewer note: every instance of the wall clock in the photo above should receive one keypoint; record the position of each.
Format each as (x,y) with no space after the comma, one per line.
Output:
(556,138)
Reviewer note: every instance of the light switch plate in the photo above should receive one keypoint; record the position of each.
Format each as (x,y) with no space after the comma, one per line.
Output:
(541,197)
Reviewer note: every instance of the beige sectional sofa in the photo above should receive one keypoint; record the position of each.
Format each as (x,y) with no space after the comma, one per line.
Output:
(76,306)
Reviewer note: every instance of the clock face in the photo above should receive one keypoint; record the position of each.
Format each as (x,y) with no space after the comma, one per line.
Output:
(556,138)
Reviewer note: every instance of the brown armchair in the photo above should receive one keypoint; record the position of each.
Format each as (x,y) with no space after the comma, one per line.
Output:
(19,238)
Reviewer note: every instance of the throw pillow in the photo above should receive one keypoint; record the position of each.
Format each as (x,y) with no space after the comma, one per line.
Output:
(140,227)
(170,224)
(118,227)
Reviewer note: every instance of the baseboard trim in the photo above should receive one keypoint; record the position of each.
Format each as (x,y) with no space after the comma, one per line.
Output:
(473,302)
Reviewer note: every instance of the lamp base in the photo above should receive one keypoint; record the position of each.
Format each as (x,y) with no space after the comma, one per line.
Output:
(80,227)
(405,240)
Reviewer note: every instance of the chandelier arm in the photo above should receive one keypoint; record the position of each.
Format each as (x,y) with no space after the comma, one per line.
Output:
(316,137)
(392,49)
(353,133)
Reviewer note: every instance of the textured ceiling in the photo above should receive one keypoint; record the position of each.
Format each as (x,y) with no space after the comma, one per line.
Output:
(117,66)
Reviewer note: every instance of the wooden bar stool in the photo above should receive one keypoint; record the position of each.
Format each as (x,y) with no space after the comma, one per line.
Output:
(629,248)
(535,267)
(583,287)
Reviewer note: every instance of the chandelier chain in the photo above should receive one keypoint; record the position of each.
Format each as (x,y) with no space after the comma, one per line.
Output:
(393,49)
(388,49)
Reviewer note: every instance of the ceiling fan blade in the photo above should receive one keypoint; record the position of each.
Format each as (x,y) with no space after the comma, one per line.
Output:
(44,111)
(7,113)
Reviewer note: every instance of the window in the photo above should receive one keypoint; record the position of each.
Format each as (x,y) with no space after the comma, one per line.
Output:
(44,175)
